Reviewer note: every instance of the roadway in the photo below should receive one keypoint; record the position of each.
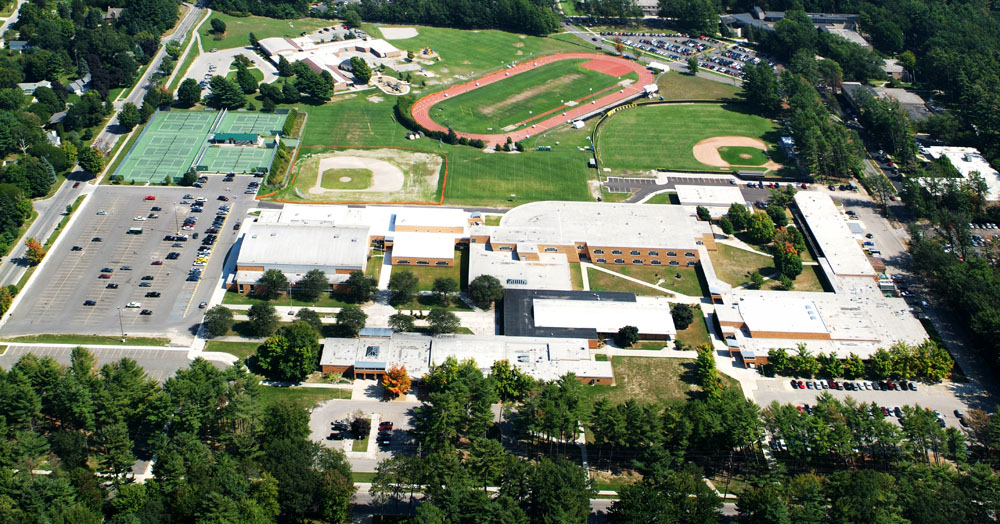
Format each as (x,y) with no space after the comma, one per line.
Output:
(51,210)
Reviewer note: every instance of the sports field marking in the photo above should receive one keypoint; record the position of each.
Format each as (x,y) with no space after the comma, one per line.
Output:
(385,177)
(346,179)
(707,150)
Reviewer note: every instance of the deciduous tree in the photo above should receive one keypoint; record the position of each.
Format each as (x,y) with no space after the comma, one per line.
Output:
(218,321)
(397,381)
(263,319)
(403,285)
(485,290)
(313,284)
(351,320)
(442,321)
(360,287)
(35,252)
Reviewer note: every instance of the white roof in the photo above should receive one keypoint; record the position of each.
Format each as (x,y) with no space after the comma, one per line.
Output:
(650,316)
(381,220)
(835,239)
(968,160)
(600,224)
(776,313)
(710,195)
(551,271)
(423,245)
(432,217)
(271,245)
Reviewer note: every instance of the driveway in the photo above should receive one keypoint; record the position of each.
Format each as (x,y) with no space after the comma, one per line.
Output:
(223,59)
(400,413)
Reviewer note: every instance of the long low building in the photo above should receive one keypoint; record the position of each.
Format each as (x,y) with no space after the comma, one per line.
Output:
(327,57)
(836,241)
(376,351)
(590,315)
(968,160)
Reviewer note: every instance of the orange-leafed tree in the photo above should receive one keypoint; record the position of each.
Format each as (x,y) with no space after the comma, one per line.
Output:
(397,381)
(35,251)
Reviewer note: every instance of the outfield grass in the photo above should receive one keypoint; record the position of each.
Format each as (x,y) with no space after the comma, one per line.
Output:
(88,339)
(679,86)
(663,136)
(689,282)
(474,177)
(242,350)
(505,105)
(743,156)
(358,179)
(305,397)
(238,29)
(651,380)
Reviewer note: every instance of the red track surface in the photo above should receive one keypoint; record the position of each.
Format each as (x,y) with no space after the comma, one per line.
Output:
(421,109)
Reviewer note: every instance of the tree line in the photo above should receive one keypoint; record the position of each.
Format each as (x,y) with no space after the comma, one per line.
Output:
(223,453)
(925,361)
(533,17)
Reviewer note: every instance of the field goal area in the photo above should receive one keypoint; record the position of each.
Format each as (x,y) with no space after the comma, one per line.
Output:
(174,141)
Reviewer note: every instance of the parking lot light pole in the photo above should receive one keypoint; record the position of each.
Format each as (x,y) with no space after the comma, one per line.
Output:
(120,325)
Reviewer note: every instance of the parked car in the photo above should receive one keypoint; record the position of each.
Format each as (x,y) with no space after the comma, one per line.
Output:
(90,302)
(111,285)
(146,312)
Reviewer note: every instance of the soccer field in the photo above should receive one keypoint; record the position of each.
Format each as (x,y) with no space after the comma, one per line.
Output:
(509,104)
(663,136)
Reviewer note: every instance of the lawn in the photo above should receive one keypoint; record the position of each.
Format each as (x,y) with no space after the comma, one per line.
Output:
(89,339)
(256,73)
(242,350)
(651,380)
(346,179)
(305,397)
(327,300)
(663,136)
(507,104)
(734,265)
(697,333)
(473,177)
(426,275)
(182,68)
(493,220)
(238,29)
(361,444)
(576,276)
(808,280)
(680,86)
(689,282)
(664,198)
(743,156)
(601,281)
(374,267)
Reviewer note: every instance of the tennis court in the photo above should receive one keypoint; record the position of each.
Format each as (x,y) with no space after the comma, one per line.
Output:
(263,124)
(229,159)
(166,147)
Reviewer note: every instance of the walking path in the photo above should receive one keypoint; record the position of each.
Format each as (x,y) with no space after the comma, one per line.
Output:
(421,109)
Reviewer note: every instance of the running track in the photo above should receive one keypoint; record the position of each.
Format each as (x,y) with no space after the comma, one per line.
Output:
(421,109)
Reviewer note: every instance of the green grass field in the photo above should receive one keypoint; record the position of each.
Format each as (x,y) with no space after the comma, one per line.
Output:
(88,339)
(356,179)
(733,266)
(257,74)
(662,136)
(665,198)
(243,350)
(505,104)
(680,86)
(238,29)
(652,380)
(305,397)
(666,277)
(743,156)
(601,281)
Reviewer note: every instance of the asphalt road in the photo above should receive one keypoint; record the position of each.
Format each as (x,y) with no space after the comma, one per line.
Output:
(55,301)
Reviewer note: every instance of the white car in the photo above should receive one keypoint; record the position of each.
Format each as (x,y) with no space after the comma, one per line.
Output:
(139,218)
(133,304)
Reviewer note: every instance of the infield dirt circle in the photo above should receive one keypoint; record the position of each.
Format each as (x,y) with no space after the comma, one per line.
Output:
(385,176)
(707,151)
(558,115)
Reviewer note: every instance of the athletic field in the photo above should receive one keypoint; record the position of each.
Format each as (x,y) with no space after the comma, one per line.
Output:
(510,103)
(228,159)
(167,146)
(664,136)
(263,124)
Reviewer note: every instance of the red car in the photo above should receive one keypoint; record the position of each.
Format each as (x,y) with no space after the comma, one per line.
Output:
(150,197)
(385,426)
(104,275)
(157,263)
(76,184)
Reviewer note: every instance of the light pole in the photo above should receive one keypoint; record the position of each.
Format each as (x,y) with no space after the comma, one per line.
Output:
(120,325)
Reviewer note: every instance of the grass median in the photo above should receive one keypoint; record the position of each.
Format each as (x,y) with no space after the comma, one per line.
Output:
(82,340)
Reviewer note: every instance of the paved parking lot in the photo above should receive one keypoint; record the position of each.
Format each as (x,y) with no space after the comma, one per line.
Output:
(945,398)
(399,413)
(160,364)
(712,54)
(55,301)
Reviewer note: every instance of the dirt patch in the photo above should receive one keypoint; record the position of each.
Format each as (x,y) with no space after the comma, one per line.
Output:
(707,151)
(398,33)
(397,175)
(745,156)
(518,44)
(528,93)
(375,99)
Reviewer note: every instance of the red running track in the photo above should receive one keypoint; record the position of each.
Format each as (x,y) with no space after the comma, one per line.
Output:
(422,108)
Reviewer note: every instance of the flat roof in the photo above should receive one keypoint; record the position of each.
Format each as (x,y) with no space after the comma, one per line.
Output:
(835,239)
(300,245)
(551,271)
(968,160)
(519,313)
(381,219)
(423,245)
(600,224)
(710,195)
(651,315)
(431,217)
(780,314)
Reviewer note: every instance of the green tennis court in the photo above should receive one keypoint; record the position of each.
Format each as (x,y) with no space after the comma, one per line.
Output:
(263,124)
(228,159)
(166,147)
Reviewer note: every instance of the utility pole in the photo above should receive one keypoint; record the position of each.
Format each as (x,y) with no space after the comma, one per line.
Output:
(120,324)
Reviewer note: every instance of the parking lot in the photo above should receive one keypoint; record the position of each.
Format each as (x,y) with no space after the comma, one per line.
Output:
(945,398)
(712,54)
(399,413)
(73,294)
